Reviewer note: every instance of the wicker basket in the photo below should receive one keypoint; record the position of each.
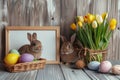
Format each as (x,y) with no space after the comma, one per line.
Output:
(39,64)
(92,55)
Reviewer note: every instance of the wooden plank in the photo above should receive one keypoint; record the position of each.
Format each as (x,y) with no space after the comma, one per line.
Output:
(113,10)
(1,2)
(68,13)
(18,11)
(45,12)
(2,24)
(83,7)
(74,74)
(28,75)
(117,76)
(100,76)
(99,6)
(0,28)
(51,72)
(111,77)
(115,62)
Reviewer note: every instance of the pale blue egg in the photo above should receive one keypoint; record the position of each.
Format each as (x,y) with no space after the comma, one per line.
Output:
(14,51)
(94,65)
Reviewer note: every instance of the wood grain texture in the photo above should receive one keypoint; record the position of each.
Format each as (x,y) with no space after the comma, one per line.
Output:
(51,72)
(68,13)
(58,72)
(100,76)
(18,11)
(74,74)
(33,12)
(83,7)
(113,52)
(0,27)
(45,12)
(29,75)
(98,7)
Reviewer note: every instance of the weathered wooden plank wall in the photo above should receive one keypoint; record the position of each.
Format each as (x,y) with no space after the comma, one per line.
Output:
(56,12)
(34,12)
(0,26)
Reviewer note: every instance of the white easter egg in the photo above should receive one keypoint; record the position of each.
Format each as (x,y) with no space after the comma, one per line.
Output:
(116,69)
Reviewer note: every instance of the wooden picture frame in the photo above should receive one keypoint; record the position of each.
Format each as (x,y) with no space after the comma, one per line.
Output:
(49,36)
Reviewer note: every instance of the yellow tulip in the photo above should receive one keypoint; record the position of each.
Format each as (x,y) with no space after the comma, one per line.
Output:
(73,26)
(113,23)
(112,27)
(86,18)
(99,19)
(80,18)
(80,23)
(94,24)
(104,15)
(91,18)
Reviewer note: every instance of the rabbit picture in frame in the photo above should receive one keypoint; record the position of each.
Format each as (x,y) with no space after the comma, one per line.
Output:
(33,48)
(68,53)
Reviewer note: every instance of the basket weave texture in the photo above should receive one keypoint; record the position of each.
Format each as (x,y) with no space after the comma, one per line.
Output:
(91,55)
(20,67)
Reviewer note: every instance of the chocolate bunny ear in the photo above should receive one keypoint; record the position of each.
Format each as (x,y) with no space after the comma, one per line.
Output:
(63,38)
(73,38)
(29,36)
(34,36)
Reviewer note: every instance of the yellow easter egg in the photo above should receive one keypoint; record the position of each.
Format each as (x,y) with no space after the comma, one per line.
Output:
(11,59)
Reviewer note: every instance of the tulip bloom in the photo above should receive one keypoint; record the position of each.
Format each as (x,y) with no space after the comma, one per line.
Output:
(80,18)
(73,26)
(113,23)
(99,19)
(91,18)
(80,23)
(85,18)
(104,15)
(94,24)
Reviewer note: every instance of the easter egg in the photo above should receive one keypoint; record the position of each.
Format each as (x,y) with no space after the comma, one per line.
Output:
(26,57)
(105,66)
(116,69)
(11,59)
(14,51)
(94,65)
(80,64)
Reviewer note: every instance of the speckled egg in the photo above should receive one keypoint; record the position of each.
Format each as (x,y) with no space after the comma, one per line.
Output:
(14,51)
(94,65)
(116,69)
(105,66)
(26,57)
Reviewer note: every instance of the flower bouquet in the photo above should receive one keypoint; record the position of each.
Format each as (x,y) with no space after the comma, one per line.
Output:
(94,32)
